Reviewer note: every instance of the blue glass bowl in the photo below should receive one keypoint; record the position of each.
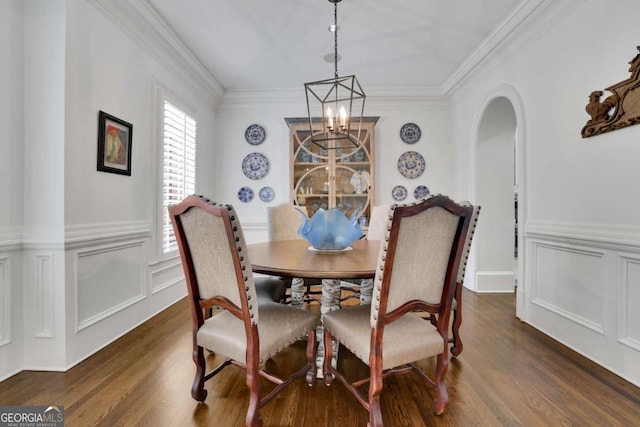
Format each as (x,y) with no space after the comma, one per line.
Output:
(330,230)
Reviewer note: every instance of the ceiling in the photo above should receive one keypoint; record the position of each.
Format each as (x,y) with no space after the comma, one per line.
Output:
(281,44)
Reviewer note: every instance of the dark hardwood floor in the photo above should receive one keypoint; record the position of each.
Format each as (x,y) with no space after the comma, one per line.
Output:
(508,374)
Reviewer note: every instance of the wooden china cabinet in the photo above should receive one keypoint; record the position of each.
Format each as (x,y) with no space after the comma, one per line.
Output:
(342,178)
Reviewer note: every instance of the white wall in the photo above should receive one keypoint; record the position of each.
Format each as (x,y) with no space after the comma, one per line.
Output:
(115,284)
(43,221)
(84,258)
(495,193)
(11,184)
(581,255)
(241,110)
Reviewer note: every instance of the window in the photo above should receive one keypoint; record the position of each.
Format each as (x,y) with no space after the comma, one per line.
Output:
(179,165)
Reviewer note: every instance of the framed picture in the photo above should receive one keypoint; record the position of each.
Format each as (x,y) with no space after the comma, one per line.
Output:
(114,144)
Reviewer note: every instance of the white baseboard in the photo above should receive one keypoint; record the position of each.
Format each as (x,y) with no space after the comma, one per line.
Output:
(495,282)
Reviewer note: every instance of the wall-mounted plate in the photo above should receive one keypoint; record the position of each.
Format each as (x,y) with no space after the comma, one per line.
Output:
(421,192)
(410,133)
(399,193)
(255,166)
(245,194)
(255,134)
(411,164)
(266,194)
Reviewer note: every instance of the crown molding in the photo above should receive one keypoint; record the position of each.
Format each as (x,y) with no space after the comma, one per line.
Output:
(144,25)
(498,37)
(375,96)
(531,20)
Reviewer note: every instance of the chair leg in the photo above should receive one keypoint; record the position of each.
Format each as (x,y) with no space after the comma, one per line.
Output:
(198,391)
(456,349)
(312,349)
(375,389)
(441,402)
(253,382)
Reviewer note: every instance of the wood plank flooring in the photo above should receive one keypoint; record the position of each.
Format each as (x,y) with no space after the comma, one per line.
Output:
(508,375)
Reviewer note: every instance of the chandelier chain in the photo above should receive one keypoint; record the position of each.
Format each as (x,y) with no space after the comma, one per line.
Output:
(335,38)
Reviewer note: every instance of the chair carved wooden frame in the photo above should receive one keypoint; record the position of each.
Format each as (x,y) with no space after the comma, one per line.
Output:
(455,338)
(429,238)
(249,330)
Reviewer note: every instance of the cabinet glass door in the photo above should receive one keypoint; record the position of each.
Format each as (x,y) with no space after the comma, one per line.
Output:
(342,177)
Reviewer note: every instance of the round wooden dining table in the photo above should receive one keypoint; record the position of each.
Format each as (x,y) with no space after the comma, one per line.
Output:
(295,258)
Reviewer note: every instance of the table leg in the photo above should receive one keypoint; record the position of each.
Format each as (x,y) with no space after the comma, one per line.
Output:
(366,291)
(330,301)
(330,295)
(320,352)
(297,292)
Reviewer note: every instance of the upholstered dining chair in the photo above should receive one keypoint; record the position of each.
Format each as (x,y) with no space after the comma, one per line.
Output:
(417,271)
(283,222)
(248,330)
(456,306)
(363,288)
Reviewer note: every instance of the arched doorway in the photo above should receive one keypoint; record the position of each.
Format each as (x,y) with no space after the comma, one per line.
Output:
(497,193)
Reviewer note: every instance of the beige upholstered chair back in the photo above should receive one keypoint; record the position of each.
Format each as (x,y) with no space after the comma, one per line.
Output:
(467,242)
(217,248)
(379,216)
(283,222)
(423,252)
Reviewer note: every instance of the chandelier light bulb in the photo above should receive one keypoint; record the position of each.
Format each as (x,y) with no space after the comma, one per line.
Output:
(343,117)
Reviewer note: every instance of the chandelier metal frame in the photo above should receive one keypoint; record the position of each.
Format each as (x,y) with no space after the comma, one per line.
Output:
(344,95)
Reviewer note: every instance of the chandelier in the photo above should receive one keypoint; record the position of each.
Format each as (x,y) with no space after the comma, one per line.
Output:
(333,103)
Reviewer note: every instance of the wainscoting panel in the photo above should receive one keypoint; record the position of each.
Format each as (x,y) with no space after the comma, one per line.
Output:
(44,295)
(570,282)
(629,301)
(11,310)
(582,287)
(5,300)
(169,274)
(109,279)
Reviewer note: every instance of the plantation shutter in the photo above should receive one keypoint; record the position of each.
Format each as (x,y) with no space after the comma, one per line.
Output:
(179,165)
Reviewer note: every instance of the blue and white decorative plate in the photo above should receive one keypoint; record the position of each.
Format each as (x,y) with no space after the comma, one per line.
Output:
(399,193)
(411,164)
(255,166)
(255,134)
(266,194)
(410,133)
(421,192)
(315,206)
(245,194)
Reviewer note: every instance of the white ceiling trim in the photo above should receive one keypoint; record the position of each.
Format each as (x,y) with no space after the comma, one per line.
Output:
(403,95)
(139,20)
(498,37)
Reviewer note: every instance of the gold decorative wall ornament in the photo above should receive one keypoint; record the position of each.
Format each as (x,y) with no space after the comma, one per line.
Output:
(619,110)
